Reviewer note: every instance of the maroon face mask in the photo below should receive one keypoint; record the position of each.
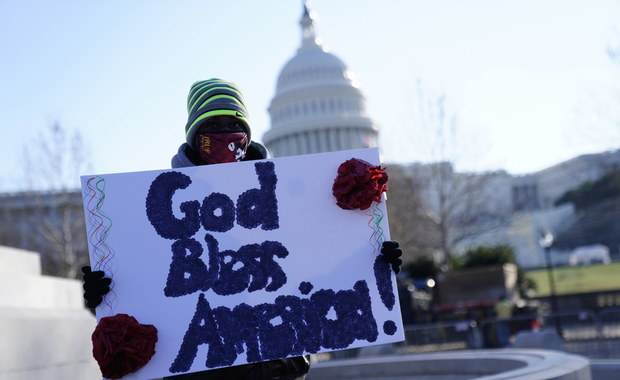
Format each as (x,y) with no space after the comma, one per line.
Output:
(218,148)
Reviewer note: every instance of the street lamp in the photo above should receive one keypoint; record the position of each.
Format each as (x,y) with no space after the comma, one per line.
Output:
(545,242)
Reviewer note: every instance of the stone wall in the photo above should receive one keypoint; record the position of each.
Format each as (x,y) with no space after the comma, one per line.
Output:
(44,325)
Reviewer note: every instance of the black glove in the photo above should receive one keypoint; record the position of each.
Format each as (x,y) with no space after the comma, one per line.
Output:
(391,254)
(96,285)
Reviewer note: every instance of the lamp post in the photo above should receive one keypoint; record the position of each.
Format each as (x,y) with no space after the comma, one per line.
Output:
(545,242)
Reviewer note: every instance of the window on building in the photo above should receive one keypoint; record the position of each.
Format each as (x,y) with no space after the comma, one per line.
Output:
(317,141)
(307,141)
(525,197)
(328,142)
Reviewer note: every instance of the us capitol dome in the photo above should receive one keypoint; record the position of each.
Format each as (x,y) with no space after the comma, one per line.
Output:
(318,105)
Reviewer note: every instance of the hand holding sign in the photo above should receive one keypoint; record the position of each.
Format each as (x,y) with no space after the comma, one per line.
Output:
(96,286)
(391,254)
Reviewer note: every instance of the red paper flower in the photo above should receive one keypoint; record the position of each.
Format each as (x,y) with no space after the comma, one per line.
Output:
(358,184)
(121,345)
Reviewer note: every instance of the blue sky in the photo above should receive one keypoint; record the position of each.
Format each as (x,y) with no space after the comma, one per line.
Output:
(529,82)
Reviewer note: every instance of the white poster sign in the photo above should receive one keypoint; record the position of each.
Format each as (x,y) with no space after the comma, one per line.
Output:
(242,262)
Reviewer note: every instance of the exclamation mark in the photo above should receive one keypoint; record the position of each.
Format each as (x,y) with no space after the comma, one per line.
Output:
(383,276)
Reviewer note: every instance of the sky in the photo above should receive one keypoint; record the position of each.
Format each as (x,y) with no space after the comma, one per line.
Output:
(528,84)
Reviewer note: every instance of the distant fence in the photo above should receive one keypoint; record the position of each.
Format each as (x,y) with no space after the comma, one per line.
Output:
(610,323)
(597,301)
(584,332)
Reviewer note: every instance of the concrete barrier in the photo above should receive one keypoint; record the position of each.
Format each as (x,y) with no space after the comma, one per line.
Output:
(519,364)
(44,326)
(603,369)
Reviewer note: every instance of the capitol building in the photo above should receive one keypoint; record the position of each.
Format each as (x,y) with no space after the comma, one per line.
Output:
(318,105)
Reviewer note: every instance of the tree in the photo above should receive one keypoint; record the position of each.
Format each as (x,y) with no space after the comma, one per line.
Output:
(422,268)
(460,207)
(598,217)
(452,207)
(483,256)
(591,192)
(53,164)
(408,224)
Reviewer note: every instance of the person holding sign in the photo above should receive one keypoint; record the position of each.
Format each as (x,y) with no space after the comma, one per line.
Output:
(218,131)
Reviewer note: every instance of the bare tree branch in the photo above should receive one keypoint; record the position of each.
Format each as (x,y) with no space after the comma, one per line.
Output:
(449,207)
(52,203)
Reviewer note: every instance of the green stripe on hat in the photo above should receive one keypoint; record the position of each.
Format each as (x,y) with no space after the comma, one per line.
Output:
(209,86)
(216,97)
(209,95)
(197,85)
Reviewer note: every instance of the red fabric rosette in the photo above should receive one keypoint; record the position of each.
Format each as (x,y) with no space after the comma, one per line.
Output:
(121,345)
(358,184)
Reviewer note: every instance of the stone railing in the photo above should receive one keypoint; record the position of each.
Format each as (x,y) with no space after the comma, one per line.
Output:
(530,364)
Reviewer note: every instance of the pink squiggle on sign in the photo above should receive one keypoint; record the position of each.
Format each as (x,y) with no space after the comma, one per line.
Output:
(99,226)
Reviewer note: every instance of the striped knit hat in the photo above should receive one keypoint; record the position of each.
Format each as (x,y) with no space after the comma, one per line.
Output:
(213,97)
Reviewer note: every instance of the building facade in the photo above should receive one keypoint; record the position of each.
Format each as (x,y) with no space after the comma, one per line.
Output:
(523,206)
(50,223)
